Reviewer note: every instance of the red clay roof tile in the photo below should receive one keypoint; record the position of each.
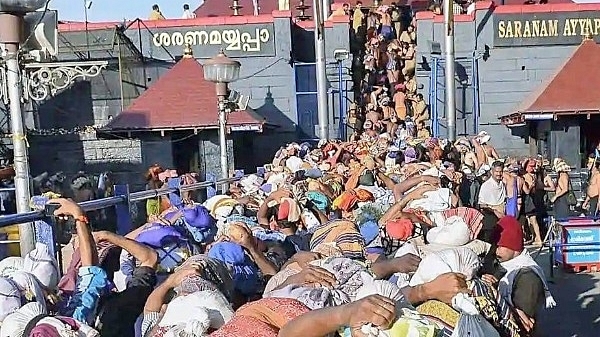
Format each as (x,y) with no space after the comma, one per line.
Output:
(572,88)
(180,99)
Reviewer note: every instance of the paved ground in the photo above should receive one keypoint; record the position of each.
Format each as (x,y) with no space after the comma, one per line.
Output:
(578,298)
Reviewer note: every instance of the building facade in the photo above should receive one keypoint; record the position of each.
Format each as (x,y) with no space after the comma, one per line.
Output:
(504,55)
(277,73)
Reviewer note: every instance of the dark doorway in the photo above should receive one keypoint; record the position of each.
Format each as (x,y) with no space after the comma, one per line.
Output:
(185,152)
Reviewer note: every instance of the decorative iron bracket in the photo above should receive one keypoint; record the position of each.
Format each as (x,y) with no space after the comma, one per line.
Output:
(44,80)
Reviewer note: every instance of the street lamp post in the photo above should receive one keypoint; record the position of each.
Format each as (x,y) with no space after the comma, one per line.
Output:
(222,70)
(11,26)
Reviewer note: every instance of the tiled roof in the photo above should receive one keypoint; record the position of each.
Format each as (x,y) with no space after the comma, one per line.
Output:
(180,99)
(572,88)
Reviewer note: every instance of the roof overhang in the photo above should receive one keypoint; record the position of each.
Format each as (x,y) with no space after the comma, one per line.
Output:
(522,118)
(249,127)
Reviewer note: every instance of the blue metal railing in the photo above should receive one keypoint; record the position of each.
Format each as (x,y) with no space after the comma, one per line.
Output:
(93,205)
(45,231)
(437,67)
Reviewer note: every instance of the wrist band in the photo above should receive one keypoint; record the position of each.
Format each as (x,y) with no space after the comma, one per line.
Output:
(82,219)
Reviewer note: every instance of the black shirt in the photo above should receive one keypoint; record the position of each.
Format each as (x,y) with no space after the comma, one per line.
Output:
(119,311)
(528,292)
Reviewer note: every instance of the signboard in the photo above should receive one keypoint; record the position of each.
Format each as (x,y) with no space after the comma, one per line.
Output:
(545,29)
(206,41)
(580,252)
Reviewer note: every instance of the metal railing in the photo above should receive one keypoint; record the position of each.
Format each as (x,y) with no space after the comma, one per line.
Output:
(121,201)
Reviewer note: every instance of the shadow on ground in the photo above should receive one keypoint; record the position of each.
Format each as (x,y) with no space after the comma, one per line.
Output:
(578,298)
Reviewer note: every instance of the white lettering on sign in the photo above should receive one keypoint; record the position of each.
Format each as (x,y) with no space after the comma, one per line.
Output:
(232,38)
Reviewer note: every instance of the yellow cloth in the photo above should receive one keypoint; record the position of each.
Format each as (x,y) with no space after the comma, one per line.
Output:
(156,15)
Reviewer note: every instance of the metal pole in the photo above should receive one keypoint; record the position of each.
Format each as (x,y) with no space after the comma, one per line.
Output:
(341,101)
(326,8)
(323,107)
(10,27)
(87,32)
(223,140)
(449,75)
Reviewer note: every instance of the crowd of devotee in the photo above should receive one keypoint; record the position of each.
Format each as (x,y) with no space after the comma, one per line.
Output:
(386,95)
(380,236)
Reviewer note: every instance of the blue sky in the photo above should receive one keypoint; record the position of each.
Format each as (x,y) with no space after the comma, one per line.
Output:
(116,10)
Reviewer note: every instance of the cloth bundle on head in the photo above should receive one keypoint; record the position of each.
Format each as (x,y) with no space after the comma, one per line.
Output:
(220,206)
(11,264)
(269,188)
(369,231)
(288,210)
(320,200)
(41,263)
(262,318)
(472,217)
(251,184)
(346,201)
(410,155)
(453,233)
(483,137)
(400,229)
(168,241)
(199,223)
(343,234)
(379,287)
(294,164)
(10,297)
(559,165)
(455,260)
(34,318)
(214,275)
(244,271)
(433,201)
(30,286)
(350,276)
(194,314)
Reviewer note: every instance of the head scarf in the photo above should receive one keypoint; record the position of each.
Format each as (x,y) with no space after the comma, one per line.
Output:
(214,275)
(510,233)
(344,234)
(346,201)
(561,166)
(35,317)
(262,318)
(244,271)
(203,310)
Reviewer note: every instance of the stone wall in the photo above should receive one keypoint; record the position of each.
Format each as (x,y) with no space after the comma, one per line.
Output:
(128,159)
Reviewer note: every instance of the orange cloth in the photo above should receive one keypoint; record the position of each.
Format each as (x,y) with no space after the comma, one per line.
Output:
(346,201)
(400,229)
(262,318)
(364,195)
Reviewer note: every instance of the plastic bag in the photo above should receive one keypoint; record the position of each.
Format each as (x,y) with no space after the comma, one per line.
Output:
(474,326)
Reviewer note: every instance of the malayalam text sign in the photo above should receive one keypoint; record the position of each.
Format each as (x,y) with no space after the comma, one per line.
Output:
(206,41)
(544,29)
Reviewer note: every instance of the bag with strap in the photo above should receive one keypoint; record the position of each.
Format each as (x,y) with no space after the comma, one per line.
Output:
(571,197)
